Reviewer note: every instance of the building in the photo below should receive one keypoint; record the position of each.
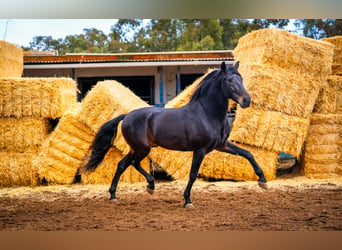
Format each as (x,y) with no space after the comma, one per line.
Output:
(155,77)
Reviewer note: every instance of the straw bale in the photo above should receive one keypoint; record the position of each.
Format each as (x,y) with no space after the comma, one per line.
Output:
(286,50)
(63,152)
(322,149)
(280,90)
(322,152)
(321,171)
(11,60)
(270,130)
(321,158)
(317,118)
(336,69)
(329,100)
(16,169)
(36,97)
(220,165)
(23,135)
(107,100)
(106,170)
(319,139)
(184,97)
(323,129)
(175,163)
(337,41)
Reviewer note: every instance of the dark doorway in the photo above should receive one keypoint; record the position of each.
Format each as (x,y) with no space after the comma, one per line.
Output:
(188,79)
(142,86)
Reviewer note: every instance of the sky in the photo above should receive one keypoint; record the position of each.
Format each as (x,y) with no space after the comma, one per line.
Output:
(22,31)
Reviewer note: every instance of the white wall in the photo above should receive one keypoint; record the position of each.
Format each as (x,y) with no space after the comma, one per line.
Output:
(169,75)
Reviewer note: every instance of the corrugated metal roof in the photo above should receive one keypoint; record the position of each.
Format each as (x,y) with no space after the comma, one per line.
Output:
(220,55)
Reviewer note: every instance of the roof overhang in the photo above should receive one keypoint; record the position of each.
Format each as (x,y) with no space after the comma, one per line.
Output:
(126,64)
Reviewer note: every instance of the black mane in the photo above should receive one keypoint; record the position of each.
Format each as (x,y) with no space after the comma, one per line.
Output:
(204,85)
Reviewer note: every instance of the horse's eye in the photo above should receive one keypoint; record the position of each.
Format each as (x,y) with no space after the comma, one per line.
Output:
(230,79)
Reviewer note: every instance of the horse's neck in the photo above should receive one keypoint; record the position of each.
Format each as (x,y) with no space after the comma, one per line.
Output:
(215,105)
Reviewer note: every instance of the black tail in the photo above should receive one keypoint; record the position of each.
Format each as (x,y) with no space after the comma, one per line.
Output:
(102,143)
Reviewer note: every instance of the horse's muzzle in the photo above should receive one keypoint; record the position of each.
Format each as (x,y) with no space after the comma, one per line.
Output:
(245,101)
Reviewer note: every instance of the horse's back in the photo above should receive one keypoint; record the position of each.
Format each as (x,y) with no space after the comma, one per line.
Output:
(135,126)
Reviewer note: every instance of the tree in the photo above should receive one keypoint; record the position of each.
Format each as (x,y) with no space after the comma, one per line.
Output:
(157,35)
(319,28)
(97,41)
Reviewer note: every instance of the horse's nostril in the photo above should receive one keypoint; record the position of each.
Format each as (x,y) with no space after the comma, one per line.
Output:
(246,101)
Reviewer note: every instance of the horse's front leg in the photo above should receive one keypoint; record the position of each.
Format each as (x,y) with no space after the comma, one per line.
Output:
(231,148)
(197,159)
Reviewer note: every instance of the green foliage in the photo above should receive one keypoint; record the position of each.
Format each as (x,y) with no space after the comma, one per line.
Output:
(158,35)
(319,28)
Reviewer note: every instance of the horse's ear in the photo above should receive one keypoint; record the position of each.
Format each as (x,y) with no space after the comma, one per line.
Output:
(237,64)
(223,67)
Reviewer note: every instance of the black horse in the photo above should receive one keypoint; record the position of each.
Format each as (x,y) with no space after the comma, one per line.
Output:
(200,126)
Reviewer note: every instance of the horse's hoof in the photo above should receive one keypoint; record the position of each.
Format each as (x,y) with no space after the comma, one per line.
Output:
(115,201)
(188,206)
(263,185)
(149,190)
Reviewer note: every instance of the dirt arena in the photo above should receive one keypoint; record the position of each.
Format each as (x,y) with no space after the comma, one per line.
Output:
(289,204)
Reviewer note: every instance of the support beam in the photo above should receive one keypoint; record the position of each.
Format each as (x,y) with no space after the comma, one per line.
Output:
(178,81)
(161,86)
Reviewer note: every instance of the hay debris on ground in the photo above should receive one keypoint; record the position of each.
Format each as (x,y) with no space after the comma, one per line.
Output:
(36,97)
(292,52)
(11,60)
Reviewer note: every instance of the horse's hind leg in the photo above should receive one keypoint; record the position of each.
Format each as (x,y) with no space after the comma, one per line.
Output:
(149,178)
(122,166)
(231,148)
(138,157)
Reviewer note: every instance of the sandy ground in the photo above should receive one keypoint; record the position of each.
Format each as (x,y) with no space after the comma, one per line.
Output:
(298,203)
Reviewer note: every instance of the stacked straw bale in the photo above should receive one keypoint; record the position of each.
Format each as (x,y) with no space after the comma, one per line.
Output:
(282,49)
(283,74)
(105,101)
(11,60)
(64,150)
(36,97)
(26,107)
(337,59)
(322,152)
(290,69)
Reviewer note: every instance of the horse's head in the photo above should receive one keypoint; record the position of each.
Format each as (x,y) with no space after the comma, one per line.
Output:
(232,85)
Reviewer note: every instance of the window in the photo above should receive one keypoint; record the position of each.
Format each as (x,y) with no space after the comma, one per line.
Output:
(142,86)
